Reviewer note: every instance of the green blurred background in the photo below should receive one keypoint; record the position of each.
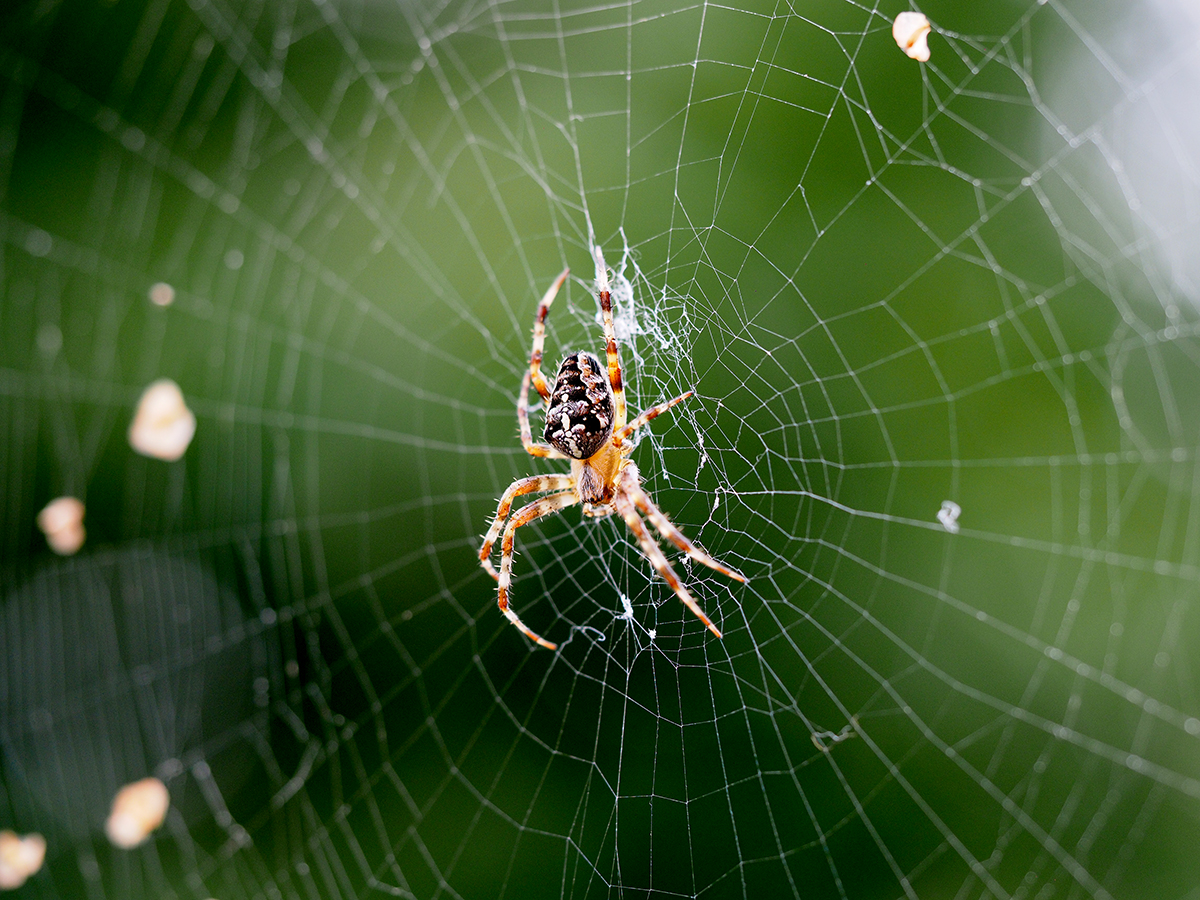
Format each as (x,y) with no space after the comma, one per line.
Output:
(890,285)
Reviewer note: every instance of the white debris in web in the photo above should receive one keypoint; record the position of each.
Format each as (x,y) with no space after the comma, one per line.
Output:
(911,31)
(163,426)
(948,515)
(627,615)
(162,294)
(20,857)
(627,605)
(62,524)
(137,810)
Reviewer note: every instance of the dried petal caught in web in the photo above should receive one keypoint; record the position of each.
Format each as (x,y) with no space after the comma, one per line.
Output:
(137,810)
(20,857)
(163,426)
(62,524)
(911,31)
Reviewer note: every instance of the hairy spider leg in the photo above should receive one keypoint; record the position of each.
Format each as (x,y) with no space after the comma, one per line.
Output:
(664,526)
(610,341)
(526,514)
(539,337)
(648,415)
(535,484)
(533,449)
(654,553)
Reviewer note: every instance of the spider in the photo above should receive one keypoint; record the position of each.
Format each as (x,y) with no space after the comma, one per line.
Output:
(585,423)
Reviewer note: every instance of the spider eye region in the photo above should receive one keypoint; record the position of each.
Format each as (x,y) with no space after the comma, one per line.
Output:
(579,419)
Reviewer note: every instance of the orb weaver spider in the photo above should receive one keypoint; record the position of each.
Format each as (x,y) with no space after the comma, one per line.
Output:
(585,423)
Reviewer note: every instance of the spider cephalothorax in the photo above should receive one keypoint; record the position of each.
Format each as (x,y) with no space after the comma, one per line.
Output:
(585,423)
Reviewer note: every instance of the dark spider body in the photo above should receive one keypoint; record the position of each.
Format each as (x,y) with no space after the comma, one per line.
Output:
(580,417)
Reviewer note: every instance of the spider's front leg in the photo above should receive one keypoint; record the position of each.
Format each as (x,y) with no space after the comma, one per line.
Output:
(657,559)
(630,499)
(667,529)
(649,415)
(524,516)
(535,484)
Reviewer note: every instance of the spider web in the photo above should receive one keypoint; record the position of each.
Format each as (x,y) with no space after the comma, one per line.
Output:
(897,290)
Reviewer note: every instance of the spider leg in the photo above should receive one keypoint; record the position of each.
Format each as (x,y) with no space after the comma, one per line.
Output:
(610,341)
(652,413)
(542,450)
(524,516)
(664,527)
(535,484)
(654,553)
(539,337)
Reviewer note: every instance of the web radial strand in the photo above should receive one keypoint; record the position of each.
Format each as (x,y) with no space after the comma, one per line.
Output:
(929,287)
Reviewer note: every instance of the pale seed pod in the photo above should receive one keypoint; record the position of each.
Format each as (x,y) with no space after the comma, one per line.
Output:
(62,523)
(137,810)
(161,294)
(163,425)
(911,31)
(20,857)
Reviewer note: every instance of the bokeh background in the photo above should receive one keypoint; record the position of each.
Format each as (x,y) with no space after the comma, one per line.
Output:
(890,284)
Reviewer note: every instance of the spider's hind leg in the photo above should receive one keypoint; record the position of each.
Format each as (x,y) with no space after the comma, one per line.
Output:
(539,337)
(610,339)
(541,450)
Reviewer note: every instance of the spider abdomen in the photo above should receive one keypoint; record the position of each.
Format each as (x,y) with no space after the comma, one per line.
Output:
(579,419)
